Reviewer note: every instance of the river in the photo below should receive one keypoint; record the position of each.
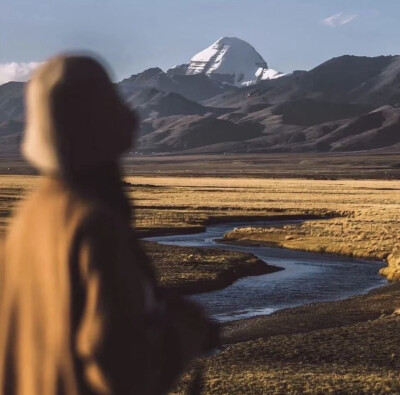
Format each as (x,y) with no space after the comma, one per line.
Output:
(306,278)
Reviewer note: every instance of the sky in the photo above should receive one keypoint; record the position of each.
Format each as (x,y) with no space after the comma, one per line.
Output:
(133,35)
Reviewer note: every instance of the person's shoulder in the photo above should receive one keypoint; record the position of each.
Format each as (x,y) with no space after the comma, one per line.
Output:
(53,202)
(33,204)
(48,193)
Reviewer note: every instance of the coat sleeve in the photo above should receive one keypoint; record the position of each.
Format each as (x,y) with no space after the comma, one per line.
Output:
(129,339)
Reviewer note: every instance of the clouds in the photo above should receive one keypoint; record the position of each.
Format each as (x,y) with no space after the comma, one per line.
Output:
(339,19)
(16,71)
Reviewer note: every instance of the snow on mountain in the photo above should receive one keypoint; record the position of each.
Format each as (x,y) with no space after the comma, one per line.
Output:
(229,60)
(262,75)
(267,74)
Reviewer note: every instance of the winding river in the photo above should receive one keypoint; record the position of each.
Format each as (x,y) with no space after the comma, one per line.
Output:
(306,278)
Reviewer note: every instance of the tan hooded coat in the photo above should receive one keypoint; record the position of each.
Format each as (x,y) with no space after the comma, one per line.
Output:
(55,237)
(79,311)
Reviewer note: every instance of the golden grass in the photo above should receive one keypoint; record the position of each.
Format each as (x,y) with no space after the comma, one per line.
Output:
(357,358)
(368,222)
(369,225)
(188,270)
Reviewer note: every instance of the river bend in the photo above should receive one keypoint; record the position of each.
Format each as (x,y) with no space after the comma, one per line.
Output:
(307,278)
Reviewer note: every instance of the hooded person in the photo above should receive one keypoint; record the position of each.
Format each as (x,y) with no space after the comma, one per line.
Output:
(80,312)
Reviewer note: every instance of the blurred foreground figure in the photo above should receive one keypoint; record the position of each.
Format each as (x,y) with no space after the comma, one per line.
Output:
(80,312)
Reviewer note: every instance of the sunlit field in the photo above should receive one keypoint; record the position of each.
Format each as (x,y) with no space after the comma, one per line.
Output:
(363,216)
(345,346)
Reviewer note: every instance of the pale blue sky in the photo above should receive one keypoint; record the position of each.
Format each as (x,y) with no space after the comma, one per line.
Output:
(133,35)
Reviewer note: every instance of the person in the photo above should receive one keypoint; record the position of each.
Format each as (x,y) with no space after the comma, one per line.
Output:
(80,311)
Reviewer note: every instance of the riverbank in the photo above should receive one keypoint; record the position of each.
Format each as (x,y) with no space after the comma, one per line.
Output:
(348,346)
(344,347)
(362,217)
(392,271)
(182,228)
(361,237)
(315,350)
(190,270)
(306,237)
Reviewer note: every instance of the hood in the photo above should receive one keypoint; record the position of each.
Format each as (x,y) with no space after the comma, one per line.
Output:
(75,118)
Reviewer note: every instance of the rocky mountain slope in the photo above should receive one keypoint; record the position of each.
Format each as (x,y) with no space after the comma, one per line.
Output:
(229,60)
(11,101)
(349,103)
(193,87)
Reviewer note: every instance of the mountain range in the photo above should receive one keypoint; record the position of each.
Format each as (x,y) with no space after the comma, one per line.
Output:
(227,100)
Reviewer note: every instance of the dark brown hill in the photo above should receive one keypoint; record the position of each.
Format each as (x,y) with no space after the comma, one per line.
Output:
(349,103)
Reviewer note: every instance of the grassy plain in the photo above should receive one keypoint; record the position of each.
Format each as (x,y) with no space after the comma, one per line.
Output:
(348,347)
(365,214)
(381,164)
(362,216)
(344,347)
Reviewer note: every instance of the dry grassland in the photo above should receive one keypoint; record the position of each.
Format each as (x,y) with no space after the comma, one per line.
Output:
(356,359)
(187,270)
(346,347)
(366,223)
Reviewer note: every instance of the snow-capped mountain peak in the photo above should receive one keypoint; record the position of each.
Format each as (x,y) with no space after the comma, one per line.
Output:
(229,60)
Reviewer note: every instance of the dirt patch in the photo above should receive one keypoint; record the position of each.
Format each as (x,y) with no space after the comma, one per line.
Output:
(344,347)
(188,270)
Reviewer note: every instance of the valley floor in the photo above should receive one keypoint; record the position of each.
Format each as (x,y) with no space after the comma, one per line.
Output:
(345,347)
(188,270)
(378,164)
(349,346)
